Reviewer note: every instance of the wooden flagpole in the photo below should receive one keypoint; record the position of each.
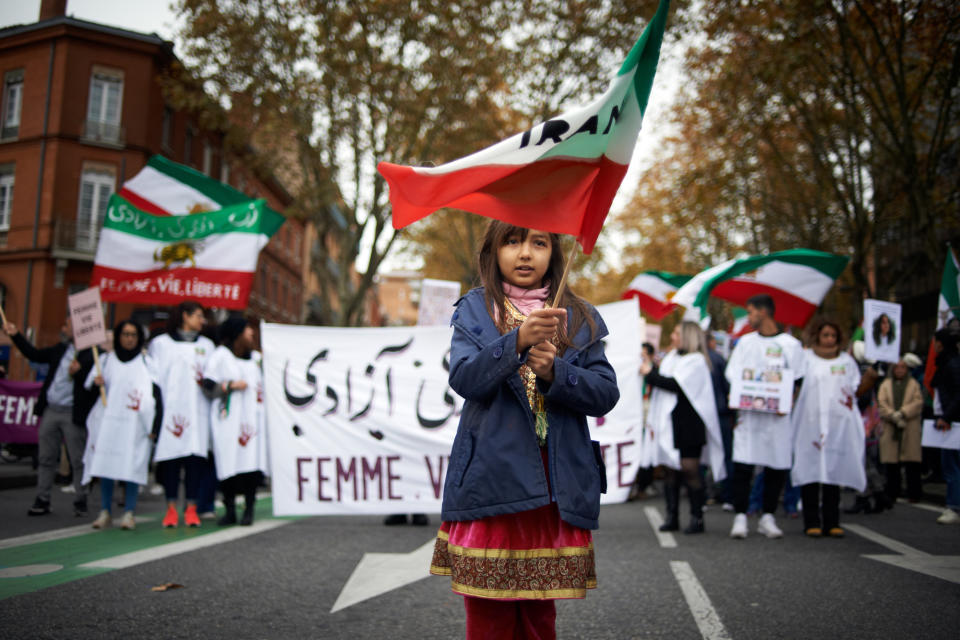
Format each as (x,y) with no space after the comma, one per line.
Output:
(3,317)
(566,272)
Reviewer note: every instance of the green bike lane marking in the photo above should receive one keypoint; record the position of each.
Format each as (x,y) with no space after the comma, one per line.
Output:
(96,552)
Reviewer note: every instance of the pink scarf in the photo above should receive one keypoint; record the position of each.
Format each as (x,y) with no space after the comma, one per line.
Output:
(526,300)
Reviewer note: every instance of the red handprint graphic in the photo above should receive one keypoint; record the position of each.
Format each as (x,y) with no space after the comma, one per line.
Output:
(180,423)
(246,432)
(134,396)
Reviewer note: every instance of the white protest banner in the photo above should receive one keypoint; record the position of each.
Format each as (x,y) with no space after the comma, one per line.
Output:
(882,329)
(937,439)
(86,313)
(437,298)
(361,421)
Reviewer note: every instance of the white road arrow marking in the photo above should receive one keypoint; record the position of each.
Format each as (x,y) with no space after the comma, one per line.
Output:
(378,573)
(943,567)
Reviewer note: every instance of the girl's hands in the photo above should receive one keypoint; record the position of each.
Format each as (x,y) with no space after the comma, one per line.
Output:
(98,380)
(540,326)
(540,359)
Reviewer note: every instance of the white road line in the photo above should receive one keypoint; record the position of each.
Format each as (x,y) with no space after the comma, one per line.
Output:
(711,628)
(57,534)
(666,539)
(884,541)
(921,505)
(183,546)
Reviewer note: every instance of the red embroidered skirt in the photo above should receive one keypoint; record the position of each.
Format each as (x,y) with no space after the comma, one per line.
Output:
(531,555)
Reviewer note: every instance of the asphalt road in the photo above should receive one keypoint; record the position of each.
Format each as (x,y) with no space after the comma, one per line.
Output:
(282,581)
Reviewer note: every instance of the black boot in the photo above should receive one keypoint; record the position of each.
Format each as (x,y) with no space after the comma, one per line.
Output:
(248,505)
(697,499)
(860,505)
(671,491)
(230,514)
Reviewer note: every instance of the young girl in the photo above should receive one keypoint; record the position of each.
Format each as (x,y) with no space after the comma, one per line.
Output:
(683,419)
(828,447)
(120,433)
(523,487)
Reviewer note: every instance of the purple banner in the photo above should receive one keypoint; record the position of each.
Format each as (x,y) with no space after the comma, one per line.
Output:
(17,422)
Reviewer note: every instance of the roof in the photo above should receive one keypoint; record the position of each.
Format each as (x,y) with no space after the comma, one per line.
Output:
(150,38)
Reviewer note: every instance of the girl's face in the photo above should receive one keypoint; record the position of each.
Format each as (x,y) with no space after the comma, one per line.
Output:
(675,337)
(128,337)
(827,338)
(884,326)
(524,262)
(194,321)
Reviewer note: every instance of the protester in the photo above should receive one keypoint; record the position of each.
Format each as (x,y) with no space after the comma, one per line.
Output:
(62,407)
(523,472)
(234,381)
(762,438)
(828,445)
(946,410)
(726,415)
(900,403)
(179,358)
(121,433)
(683,416)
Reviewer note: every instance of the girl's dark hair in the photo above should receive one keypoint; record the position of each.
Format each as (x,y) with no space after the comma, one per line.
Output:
(492,280)
(817,326)
(176,317)
(876,328)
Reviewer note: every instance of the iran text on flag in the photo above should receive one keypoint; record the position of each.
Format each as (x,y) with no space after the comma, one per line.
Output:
(166,188)
(207,257)
(560,176)
(654,290)
(948,308)
(797,280)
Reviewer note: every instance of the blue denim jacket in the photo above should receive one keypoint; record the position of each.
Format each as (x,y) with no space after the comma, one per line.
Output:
(495,464)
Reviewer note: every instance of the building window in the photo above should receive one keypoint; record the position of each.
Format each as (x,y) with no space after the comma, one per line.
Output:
(6,196)
(96,185)
(166,132)
(104,107)
(207,158)
(12,101)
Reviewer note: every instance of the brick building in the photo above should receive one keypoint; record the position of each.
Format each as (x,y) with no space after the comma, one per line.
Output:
(81,111)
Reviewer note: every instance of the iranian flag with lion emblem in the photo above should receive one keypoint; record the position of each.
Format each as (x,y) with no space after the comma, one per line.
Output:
(163,259)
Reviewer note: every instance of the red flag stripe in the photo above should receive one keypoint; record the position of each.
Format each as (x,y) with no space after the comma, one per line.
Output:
(791,309)
(653,307)
(210,287)
(142,203)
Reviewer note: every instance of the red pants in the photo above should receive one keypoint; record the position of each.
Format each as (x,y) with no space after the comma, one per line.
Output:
(510,619)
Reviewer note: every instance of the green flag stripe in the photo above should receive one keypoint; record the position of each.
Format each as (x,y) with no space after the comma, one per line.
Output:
(949,284)
(645,54)
(676,279)
(253,216)
(213,189)
(827,263)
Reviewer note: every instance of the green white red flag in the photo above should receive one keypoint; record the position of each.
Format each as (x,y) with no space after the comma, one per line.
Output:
(797,280)
(166,188)
(654,291)
(948,308)
(162,259)
(560,176)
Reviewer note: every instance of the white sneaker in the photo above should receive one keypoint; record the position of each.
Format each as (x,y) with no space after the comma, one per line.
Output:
(128,521)
(103,521)
(949,516)
(728,506)
(739,529)
(768,526)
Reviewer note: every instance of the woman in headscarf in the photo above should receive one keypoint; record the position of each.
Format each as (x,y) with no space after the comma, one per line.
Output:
(120,434)
(900,403)
(234,381)
(946,411)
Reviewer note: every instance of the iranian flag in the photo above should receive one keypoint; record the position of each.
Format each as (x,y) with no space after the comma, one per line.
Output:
(166,188)
(560,176)
(654,290)
(207,257)
(797,280)
(948,308)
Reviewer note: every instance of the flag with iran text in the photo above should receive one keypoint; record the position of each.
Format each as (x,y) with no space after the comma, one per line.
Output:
(654,290)
(797,280)
(560,176)
(948,309)
(208,257)
(166,188)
